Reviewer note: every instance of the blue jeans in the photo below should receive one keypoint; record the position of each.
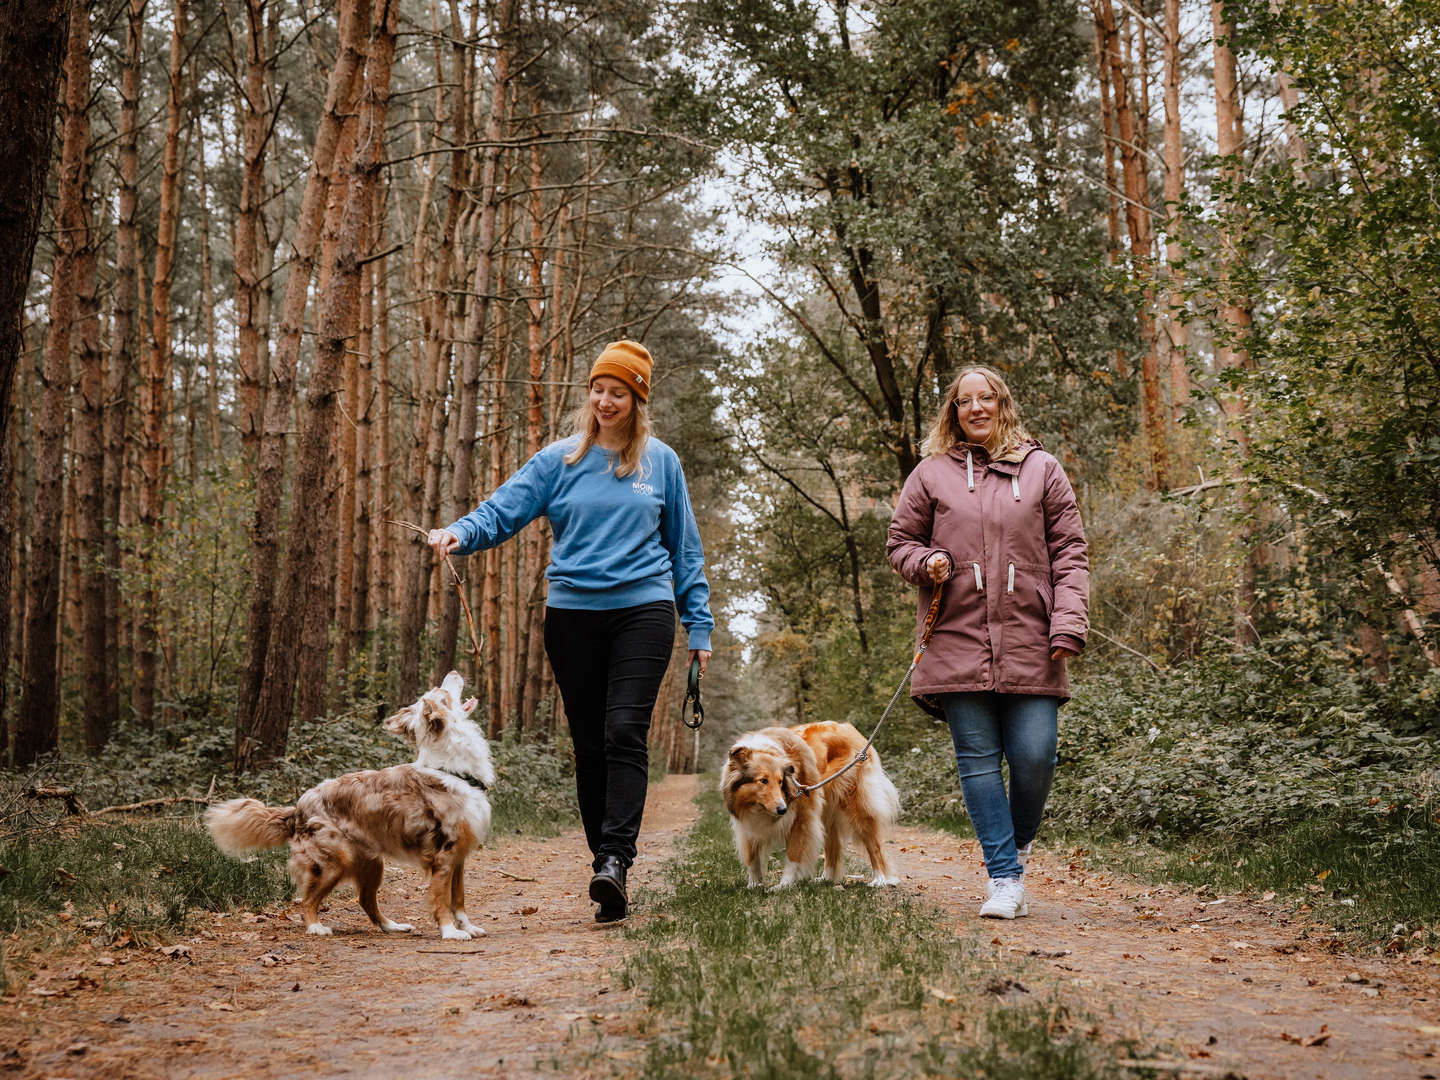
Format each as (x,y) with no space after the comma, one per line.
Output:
(1024,729)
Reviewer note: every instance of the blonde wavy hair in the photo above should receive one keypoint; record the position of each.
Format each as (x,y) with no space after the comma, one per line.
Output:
(946,433)
(636,432)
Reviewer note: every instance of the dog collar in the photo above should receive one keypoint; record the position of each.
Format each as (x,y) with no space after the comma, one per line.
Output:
(473,781)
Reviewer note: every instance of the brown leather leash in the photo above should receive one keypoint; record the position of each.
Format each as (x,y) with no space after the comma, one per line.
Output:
(864,754)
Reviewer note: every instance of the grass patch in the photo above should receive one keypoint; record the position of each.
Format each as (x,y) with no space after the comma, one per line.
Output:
(1368,891)
(822,982)
(146,877)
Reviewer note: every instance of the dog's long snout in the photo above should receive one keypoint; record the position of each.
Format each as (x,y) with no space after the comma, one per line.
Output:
(780,810)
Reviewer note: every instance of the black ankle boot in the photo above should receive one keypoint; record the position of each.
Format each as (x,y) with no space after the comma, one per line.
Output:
(607,888)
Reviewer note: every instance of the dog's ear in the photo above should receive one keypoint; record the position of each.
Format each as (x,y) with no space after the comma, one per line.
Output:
(788,782)
(454,683)
(399,724)
(739,755)
(434,716)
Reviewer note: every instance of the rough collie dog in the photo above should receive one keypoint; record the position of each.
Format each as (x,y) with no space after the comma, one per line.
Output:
(760,784)
(431,813)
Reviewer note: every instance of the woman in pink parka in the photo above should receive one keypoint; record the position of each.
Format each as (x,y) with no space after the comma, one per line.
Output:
(992,514)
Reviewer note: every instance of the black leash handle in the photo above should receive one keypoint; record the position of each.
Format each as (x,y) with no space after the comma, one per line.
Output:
(692,699)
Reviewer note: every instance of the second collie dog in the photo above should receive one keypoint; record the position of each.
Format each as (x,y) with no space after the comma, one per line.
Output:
(760,784)
(431,813)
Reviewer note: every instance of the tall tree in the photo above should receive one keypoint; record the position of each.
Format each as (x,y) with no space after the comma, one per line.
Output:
(32,47)
(338,319)
(37,727)
(155,387)
(257,741)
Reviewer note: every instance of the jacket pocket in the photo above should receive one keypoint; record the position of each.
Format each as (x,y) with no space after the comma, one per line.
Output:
(1047,597)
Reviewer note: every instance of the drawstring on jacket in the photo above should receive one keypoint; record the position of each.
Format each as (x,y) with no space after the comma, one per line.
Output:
(979,582)
(1015,485)
(969,470)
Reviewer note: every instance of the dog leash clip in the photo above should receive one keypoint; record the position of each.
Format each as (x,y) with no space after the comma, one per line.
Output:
(691,703)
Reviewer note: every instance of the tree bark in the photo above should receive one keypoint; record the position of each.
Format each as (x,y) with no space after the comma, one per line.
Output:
(1176,328)
(155,388)
(255,742)
(1234,315)
(252,356)
(89,450)
(33,36)
(1137,220)
(37,725)
(337,322)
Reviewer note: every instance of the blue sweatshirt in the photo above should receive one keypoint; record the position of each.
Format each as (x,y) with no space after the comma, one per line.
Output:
(619,541)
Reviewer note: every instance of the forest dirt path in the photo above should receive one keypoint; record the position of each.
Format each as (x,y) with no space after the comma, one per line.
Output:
(1232,987)
(256,997)
(1231,984)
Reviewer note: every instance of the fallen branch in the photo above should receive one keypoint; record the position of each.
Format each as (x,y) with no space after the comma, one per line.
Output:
(1127,648)
(514,877)
(147,804)
(73,806)
(459,584)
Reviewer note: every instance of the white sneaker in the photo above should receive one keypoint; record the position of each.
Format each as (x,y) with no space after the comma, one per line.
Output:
(1007,900)
(1024,854)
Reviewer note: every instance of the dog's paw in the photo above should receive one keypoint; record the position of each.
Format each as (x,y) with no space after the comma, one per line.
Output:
(464,923)
(396,927)
(454,933)
(319,929)
(878,880)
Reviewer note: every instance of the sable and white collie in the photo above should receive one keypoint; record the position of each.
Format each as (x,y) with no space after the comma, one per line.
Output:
(760,784)
(432,813)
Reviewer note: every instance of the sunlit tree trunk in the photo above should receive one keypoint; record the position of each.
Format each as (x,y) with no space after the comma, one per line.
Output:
(1177,330)
(1137,220)
(258,740)
(37,723)
(155,385)
(1234,315)
(252,355)
(338,318)
(528,675)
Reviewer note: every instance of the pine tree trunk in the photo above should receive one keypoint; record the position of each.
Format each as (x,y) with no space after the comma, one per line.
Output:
(32,50)
(37,724)
(338,318)
(1178,331)
(252,355)
(529,668)
(256,742)
(89,450)
(1137,219)
(1234,315)
(463,480)
(155,387)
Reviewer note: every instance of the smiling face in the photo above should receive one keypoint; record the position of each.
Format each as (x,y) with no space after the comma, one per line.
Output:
(976,407)
(612,404)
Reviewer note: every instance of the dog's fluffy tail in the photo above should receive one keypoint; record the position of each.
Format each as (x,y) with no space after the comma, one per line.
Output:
(879,792)
(242,825)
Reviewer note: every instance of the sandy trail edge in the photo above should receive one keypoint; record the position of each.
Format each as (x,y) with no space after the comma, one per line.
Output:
(1222,981)
(257,997)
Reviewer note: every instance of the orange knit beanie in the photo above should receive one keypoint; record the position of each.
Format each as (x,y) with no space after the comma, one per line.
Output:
(628,361)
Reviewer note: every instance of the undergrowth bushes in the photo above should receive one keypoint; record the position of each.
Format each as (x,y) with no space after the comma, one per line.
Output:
(534,786)
(1251,742)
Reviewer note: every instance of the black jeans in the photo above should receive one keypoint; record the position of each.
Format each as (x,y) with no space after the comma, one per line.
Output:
(608,665)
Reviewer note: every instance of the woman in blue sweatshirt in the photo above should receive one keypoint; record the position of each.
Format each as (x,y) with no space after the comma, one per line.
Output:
(626,554)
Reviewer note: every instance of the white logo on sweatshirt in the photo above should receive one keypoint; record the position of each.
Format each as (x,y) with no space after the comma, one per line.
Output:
(642,488)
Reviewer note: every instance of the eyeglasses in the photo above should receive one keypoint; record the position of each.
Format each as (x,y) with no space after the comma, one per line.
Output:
(986,401)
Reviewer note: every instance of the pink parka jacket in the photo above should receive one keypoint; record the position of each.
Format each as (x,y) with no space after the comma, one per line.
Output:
(1021,581)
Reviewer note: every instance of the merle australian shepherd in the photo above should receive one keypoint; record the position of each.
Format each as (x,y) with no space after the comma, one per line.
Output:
(431,813)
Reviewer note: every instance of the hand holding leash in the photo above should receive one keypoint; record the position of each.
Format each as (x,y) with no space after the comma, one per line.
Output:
(692,698)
